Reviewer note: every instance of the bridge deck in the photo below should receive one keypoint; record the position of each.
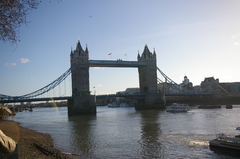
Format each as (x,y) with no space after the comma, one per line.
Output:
(133,96)
(188,94)
(34,99)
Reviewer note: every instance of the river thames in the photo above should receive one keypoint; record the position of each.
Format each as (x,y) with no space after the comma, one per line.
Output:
(131,134)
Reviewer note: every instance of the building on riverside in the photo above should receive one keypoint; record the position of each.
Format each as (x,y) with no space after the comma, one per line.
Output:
(186,84)
(224,88)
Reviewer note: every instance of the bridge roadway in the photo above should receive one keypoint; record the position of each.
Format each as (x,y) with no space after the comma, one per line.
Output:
(133,96)
(113,63)
(15,100)
(188,94)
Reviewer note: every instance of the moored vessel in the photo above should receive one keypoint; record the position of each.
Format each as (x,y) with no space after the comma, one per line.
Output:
(175,107)
(229,106)
(226,142)
(112,105)
(208,106)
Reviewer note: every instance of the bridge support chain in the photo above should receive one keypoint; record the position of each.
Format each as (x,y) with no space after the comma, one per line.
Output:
(84,104)
(151,101)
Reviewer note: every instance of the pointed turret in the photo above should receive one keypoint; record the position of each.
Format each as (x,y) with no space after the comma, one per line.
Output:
(146,53)
(79,47)
(154,53)
(86,50)
(71,54)
(138,57)
(146,50)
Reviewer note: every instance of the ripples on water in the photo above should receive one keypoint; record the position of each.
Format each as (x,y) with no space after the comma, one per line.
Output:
(127,133)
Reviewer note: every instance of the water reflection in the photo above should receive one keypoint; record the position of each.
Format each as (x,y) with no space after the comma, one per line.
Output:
(151,146)
(127,133)
(82,142)
(222,153)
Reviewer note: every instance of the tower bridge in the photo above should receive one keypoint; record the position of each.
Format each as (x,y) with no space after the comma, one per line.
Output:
(81,101)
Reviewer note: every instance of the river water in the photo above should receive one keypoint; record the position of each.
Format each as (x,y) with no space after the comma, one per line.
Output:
(131,134)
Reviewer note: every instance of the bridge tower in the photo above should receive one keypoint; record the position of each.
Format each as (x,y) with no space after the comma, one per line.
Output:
(148,80)
(82,102)
(148,74)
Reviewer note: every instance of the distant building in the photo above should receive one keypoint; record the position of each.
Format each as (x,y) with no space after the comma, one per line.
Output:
(222,88)
(130,91)
(185,81)
(211,85)
(209,81)
(232,88)
(127,91)
(120,92)
(186,84)
(169,88)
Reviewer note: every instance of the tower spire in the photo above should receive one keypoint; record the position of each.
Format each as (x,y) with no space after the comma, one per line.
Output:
(86,50)
(79,47)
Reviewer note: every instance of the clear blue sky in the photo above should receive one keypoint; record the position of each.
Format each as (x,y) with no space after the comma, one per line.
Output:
(199,39)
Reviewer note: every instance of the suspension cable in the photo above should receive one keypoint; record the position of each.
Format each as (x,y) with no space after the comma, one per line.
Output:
(43,90)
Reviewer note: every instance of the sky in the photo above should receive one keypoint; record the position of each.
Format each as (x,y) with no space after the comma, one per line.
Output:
(199,39)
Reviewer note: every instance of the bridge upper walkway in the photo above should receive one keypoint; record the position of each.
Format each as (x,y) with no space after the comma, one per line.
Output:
(113,63)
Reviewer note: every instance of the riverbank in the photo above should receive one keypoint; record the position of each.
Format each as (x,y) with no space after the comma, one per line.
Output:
(32,144)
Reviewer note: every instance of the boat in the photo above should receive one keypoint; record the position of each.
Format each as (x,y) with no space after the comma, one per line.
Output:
(30,109)
(123,105)
(175,107)
(226,142)
(229,106)
(208,106)
(112,105)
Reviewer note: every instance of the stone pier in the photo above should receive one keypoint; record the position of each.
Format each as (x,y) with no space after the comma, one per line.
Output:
(82,105)
(151,101)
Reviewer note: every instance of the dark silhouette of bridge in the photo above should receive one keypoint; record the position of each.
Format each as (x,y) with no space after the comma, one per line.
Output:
(80,63)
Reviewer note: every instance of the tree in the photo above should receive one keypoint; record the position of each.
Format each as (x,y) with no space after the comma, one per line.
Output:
(12,15)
